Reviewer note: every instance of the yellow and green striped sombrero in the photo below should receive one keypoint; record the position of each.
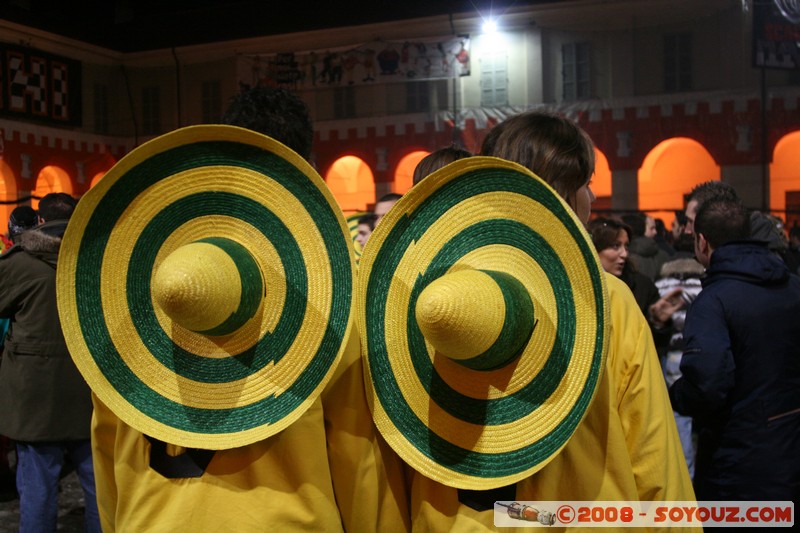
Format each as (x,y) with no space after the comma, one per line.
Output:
(205,287)
(352,224)
(483,315)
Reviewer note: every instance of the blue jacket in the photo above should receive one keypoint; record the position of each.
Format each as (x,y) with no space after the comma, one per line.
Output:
(741,376)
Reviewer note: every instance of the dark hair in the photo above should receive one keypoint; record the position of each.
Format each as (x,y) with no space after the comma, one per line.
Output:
(794,232)
(436,160)
(389,197)
(604,232)
(711,189)
(550,145)
(368,219)
(680,216)
(661,228)
(22,218)
(56,206)
(637,222)
(722,219)
(277,113)
(684,243)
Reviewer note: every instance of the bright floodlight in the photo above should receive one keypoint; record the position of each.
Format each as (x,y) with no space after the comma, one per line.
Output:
(490,26)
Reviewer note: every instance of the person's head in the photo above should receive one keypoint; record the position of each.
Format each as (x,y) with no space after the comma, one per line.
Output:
(552,147)
(651,227)
(611,239)
(385,203)
(436,160)
(780,227)
(22,218)
(277,113)
(701,194)
(365,226)
(678,224)
(637,222)
(56,206)
(718,221)
(769,229)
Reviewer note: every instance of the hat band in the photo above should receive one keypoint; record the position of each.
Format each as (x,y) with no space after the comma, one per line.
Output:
(517,326)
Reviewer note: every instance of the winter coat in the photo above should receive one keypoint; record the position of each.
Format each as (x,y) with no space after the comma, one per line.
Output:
(647,256)
(644,290)
(43,397)
(741,376)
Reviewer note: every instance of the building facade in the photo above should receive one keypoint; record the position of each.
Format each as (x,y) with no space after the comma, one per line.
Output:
(673,93)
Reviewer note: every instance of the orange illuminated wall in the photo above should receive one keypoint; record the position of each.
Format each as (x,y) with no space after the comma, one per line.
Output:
(670,171)
(8,192)
(601,181)
(784,171)
(352,183)
(51,179)
(96,178)
(404,176)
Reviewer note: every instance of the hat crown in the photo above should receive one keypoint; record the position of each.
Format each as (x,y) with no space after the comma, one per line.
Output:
(211,286)
(479,318)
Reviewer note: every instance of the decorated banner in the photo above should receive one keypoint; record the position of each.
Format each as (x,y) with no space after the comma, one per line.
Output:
(776,34)
(373,62)
(36,85)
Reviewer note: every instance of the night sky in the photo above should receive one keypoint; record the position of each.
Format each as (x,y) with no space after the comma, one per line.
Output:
(133,25)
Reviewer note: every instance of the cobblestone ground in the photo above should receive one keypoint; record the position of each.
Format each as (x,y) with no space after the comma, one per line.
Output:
(70,509)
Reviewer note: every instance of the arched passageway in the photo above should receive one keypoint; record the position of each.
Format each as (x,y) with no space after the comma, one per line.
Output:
(784,183)
(8,193)
(404,175)
(601,182)
(669,172)
(352,183)
(51,179)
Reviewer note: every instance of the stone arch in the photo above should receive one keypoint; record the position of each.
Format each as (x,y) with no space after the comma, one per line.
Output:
(404,174)
(601,181)
(51,179)
(8,193)
(352,183)
(96,178)
(784,182)
(669,172)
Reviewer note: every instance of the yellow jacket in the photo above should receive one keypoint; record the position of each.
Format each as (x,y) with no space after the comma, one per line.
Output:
(328,471)
(625,449)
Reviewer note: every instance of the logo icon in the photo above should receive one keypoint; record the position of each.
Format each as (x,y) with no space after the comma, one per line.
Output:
(527,513)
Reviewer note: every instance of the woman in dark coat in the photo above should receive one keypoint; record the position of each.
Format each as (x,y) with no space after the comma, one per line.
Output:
(611,239)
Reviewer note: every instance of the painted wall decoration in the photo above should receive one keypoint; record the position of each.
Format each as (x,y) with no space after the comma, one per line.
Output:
(372,62)
(35,85)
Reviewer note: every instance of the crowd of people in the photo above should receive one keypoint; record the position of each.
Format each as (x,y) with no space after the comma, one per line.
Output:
(698,397)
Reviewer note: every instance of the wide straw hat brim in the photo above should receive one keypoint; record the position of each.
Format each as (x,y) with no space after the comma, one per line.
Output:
(481,429)
(215,389)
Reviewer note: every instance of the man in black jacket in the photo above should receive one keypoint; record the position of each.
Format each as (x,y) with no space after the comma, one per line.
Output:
(45,404)
(740,366)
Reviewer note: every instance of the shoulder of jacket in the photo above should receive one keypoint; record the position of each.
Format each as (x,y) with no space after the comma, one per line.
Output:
(11,251)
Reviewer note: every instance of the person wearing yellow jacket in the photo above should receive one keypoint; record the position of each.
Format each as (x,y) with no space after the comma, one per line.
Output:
(328,471)
(625,449)
(207,300)
(562,398)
